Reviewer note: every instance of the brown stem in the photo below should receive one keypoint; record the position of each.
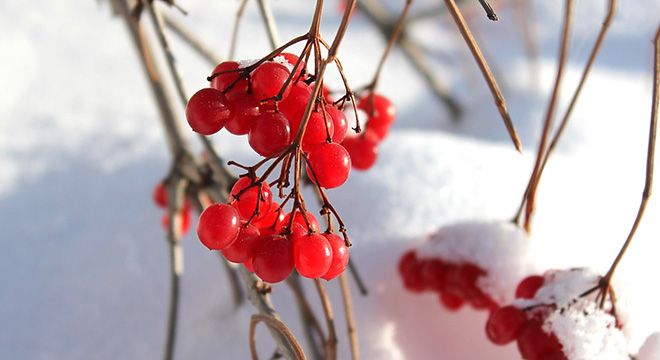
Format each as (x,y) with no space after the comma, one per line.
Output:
(547,124)
(269,22)
(350,319)
(190,39)
(311,325)
(490,13)
(274,325)
(234,31)
(485,70)
(650,157)
(331,340)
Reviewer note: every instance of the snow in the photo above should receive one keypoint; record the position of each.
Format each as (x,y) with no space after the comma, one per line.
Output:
(83,265)
(650,350)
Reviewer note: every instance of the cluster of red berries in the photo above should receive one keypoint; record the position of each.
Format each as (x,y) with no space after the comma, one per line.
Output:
(161,199)
(253,230)
(456,284)
(525,325)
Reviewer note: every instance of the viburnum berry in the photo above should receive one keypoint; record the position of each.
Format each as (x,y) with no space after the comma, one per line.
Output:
(340,256)
(185,219)
(274,218)
(339,122)
(319,128)
(293,59)
(363,150)
(461,279)
(298,218)
(377,132)
(383,113)
(240,250)
(229,78)
(270,134)
(528,287)
(249,201)
(267,80)
(293,106)
(433,273)
(504,324)
(242,114)
(218,226)
(272,258)
(534,343)
(329,165)
(160,195)
(410,269)
(207,111)
(312,255)
(451,302)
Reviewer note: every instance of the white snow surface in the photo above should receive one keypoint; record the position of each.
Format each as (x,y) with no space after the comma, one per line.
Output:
(84,261)
(650,350)
(500,248)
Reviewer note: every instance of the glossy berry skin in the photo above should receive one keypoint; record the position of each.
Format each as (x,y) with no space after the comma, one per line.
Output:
(339,121)
(536,344)
(207,111)
(340,256)
(410,269)
(451,302)
(185,220)
(272,258)
(293,59)
(433,274)
(363,151)
(377,132)
(270,134)
(240,250)
(247,201)
(242,114)
(223,81)
(383,113)
(312,255)
(504,324)
(293,106)
(319,126)
(299,219)
(218,226)
(160,195)
(267,80)
(273,219)
(528,287)
(329,165)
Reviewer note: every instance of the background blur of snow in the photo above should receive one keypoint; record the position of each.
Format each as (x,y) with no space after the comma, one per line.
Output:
(83,269)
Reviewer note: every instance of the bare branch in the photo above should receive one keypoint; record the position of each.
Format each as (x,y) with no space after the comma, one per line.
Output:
(331,340)
(190,39)
(277,326)
(234,32)
(269,21)
(350,319)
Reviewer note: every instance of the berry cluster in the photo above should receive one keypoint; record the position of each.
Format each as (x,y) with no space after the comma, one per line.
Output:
(456,284)
(160,199)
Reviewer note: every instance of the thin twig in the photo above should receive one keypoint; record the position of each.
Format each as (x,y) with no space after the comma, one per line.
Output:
(274,325)
(269,21)
(490,13)
(311,326)
(190,39)
(234,31)
(549,115)
(485,70)
(331,340)
(350,319)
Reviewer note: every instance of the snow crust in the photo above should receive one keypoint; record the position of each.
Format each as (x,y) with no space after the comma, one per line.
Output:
(650,350)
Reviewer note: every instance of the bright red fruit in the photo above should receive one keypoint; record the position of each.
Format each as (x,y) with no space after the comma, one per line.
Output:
(223,81)
(451,302)
(246,201)
(340,256)
(160,195)
(410,269)
(272,258)
(534,343)
(433,273)
(185,220)
(293,59)
(293,106)
(298,218)
(363,151)
(377,132)
(312,255)
(319,128)
(218,226)
(274,219)
(330,165)
(504,324)
(339,121)
(528,287)
(267,80)
(383,111)
(270,134)
(240,251)
(207,111)
(242,113)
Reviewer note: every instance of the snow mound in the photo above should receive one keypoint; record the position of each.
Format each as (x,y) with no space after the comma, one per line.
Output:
(650,350)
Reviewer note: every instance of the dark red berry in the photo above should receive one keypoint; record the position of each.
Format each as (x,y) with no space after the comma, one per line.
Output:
(228,79)
(207,111)
(319,127)
(160,195)
(267,80)
(242,114)
(240,251)
(363,151)
(312,255)
(330,165)
(451,302)
(247,201)
(433,273)
(528,287)
(533,342)
(272,258)
(218,226)
(340,256)
(504,324)
(410,269)
(270,134)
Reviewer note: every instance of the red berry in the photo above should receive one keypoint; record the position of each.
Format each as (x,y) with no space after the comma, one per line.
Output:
(160,195)
(450,301)
(410,269)
(528,287)
(293,59)
(363,151)
(248,265)
(299,219)
(242,114)
(534,343)
(340,256)
(240,251)
(293,106)
(339,122)
(504,324)
(270,134)
(433,273)
(383,111)
(218,226)
(207,111)
(185,220)
(272,258)
(329,165)
(267,80)
(312,255)
(274,219)
(246,201)
(480,301)
(462,279)
(377,132)
(231,78)
(319,128)
(554,355)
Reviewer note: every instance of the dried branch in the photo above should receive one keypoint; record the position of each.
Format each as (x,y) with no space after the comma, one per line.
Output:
(190,39)
(311,326)
(331,340)
(350,319)
(485,70)
(234,31)
(490,13)
(274,325)
(269,21)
